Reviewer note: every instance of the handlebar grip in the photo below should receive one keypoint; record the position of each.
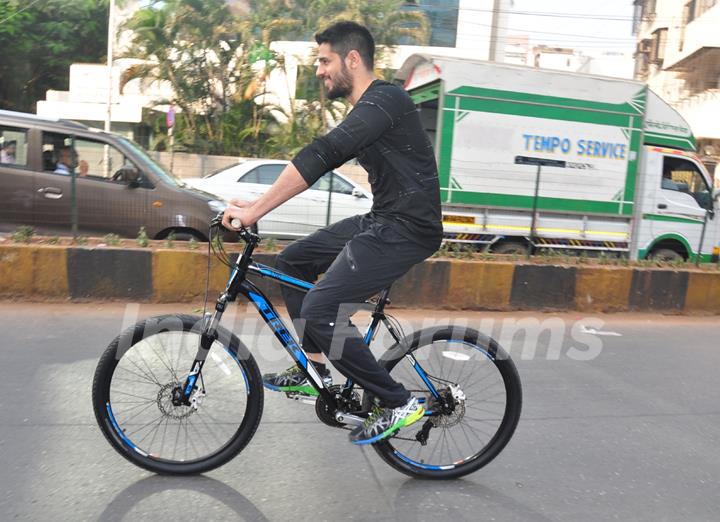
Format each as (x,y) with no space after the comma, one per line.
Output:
(236,223)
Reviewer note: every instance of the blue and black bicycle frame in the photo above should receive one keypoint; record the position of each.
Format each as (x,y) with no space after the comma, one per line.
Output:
(238,284)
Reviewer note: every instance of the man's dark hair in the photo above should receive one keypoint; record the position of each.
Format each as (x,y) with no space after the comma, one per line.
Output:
(344,37)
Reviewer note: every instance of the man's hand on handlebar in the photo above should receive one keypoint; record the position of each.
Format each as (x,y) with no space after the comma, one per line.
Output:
(240,210)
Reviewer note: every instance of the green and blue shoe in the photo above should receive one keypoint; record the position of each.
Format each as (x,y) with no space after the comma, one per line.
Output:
(384,422)
(294,381)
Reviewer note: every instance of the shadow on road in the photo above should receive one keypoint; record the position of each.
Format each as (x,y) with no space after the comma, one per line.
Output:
(154,487)
(458,500)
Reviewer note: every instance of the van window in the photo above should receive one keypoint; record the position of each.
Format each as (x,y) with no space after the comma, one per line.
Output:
(13,146)
(682,175)
(64,154)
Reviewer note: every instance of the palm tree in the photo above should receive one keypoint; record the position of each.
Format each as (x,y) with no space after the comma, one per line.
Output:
(195,46)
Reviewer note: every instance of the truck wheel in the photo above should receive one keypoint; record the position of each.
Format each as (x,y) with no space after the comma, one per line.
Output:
(666,254)
(510,248)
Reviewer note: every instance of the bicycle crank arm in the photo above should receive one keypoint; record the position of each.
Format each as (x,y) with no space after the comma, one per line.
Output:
(349,420)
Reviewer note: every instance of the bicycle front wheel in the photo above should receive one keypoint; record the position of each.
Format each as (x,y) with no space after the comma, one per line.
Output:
(479,381)
(135,396)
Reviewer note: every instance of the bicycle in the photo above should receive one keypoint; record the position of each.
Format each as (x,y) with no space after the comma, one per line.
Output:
(179,394)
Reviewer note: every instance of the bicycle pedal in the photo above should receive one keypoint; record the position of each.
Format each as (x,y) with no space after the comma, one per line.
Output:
(301,398)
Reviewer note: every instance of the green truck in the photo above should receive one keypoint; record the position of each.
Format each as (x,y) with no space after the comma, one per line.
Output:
(533,159)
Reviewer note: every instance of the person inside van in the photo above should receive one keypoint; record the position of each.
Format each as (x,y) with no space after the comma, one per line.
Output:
(7,154)
(67,161)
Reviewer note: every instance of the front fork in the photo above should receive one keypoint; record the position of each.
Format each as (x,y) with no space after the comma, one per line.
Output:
(210,323)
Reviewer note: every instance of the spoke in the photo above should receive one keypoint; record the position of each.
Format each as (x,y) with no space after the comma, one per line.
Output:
(478,430)
(154,432)
(211,431)
(162,442)
(496,382)
(200,438)
(113,392)
(168,368)
(460,451)
(477,408)
(497,419)
(134,382)
(139,352)
(470,444)
(144,426)
(121,413)
(177,438)
(144,376)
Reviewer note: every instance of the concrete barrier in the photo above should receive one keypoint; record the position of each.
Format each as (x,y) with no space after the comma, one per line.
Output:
(43,272)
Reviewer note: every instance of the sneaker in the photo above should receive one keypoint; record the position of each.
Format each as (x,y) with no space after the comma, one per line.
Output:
(293,380)
(383,422)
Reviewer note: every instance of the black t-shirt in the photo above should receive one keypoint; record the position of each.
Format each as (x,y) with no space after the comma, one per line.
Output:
(384,133)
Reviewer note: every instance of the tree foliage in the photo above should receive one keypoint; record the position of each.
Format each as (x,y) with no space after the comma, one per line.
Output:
(38,42)
(215,55)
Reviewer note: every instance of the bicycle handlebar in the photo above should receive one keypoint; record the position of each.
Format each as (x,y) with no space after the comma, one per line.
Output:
(243,232)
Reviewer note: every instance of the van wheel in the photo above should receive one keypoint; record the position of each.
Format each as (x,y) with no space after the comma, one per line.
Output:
(666,254)
(510,248)
(185,235)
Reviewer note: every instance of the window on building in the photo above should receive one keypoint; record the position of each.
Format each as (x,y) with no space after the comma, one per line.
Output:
(642,58)
(650,7)
(443,18)
(13,146)
(659,39)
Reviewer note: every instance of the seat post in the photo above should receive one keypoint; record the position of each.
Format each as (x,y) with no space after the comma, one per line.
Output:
(383,299)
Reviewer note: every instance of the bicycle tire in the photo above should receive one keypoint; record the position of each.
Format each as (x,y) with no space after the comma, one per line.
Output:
(227,369)
(495,359)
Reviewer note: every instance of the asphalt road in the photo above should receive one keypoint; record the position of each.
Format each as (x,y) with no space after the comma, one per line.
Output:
(621,420)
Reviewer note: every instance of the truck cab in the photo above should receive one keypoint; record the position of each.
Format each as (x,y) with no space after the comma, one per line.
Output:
(679,207)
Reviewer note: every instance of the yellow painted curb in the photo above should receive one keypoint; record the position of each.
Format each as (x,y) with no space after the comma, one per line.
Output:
(16,270)
(602,289)
(479,285)
(180,276)
(703,293)
(33,270)
(50,277)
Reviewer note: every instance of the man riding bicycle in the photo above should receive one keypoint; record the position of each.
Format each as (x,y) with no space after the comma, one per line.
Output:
(363,254)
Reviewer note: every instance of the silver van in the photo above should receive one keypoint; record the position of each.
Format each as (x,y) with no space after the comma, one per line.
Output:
(46,164)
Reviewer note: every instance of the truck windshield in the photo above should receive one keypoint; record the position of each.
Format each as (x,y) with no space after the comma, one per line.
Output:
(158,170)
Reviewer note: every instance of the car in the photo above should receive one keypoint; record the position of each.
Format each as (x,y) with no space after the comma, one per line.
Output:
(303,214)
(47,164)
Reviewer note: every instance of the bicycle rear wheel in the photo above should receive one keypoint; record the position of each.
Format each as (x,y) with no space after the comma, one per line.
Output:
(478,378)
(133,391)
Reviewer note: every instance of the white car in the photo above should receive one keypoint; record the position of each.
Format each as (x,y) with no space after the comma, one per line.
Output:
(301,215)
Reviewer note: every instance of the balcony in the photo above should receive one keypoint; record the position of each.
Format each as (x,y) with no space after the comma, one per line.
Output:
(698,44)
(701,112)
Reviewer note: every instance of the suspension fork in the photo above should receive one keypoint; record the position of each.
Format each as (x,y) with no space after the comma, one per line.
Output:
(211,321)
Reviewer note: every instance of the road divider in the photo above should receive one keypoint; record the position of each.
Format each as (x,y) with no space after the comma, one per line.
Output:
(49,273)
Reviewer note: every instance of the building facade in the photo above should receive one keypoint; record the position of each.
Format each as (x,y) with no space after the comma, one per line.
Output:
(678,55)
(464,28)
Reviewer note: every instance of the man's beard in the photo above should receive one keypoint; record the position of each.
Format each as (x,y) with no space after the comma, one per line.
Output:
(342,85)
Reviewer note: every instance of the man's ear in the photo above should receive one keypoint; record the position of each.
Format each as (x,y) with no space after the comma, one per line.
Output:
(354,60)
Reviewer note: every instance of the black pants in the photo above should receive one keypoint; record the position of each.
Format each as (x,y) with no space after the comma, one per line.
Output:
(359,257)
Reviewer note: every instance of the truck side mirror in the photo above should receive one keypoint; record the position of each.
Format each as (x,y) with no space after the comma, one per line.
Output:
(716,194)
(357,193)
